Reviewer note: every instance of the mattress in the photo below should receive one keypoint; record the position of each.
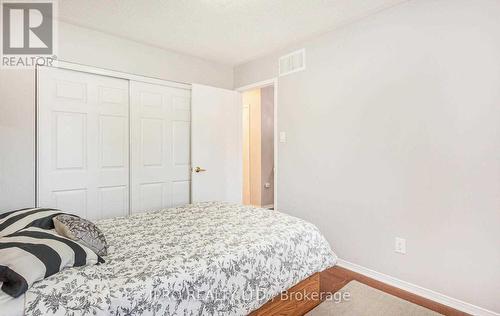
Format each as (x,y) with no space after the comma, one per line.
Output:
(206,258)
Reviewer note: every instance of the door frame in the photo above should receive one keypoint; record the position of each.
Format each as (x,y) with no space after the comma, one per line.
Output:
(114,73)
(262,84)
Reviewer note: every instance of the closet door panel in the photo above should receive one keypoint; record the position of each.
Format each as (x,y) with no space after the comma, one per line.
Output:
(181,148)
(181,134)
(113,147)
(113,139)
(113,200)
(160,146)
(83,143)
(150,142)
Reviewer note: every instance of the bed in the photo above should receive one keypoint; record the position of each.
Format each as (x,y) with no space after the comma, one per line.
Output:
(208,258)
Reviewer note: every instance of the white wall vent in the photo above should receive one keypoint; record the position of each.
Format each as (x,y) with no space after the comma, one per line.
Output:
(293,62)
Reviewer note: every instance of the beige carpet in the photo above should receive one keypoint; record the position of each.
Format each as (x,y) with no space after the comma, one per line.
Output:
(367,301)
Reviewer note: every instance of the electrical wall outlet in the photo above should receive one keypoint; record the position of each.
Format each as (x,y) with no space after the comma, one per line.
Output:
(400,245)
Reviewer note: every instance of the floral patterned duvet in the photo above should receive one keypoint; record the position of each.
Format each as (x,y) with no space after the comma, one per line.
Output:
(204,259)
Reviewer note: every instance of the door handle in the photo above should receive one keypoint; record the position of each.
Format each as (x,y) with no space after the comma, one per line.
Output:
(198,169)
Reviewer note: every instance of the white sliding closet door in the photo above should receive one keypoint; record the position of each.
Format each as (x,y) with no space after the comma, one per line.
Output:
(160,159)
(83,143)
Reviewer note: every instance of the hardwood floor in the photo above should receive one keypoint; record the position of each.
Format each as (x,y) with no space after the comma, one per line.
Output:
(333,279)
(330,281)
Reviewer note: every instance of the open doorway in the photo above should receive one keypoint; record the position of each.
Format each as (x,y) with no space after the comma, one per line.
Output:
(259,146)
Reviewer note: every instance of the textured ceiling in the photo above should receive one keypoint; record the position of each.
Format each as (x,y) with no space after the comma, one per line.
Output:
(226,31)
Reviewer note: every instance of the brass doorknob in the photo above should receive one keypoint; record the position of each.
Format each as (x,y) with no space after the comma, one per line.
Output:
(198,169)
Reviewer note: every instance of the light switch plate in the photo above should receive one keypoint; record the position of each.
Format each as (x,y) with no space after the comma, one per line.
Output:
(400,245)
(282,137)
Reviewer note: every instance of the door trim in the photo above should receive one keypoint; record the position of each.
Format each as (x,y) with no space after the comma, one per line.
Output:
(116,74)
(262,84)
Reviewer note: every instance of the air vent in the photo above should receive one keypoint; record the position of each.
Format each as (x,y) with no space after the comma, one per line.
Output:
(293,62)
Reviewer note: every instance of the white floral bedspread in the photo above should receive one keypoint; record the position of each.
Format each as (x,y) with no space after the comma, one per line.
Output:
(205,259)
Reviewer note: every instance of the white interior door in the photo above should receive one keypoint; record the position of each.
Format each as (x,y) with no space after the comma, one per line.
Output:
(160,131)
(216,145)
(83,143)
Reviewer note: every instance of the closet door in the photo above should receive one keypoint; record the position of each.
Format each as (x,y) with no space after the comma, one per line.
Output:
(160,146)
(83,165)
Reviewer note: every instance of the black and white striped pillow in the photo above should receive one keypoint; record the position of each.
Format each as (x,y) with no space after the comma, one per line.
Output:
(14,221)
(33,254)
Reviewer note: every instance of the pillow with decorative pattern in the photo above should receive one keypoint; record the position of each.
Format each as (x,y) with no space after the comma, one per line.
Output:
(82,231)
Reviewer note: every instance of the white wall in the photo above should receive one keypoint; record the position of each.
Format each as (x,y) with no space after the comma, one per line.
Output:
(94,48)
(394,130)
(98,49)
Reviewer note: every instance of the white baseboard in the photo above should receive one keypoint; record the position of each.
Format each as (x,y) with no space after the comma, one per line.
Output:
(418,290)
